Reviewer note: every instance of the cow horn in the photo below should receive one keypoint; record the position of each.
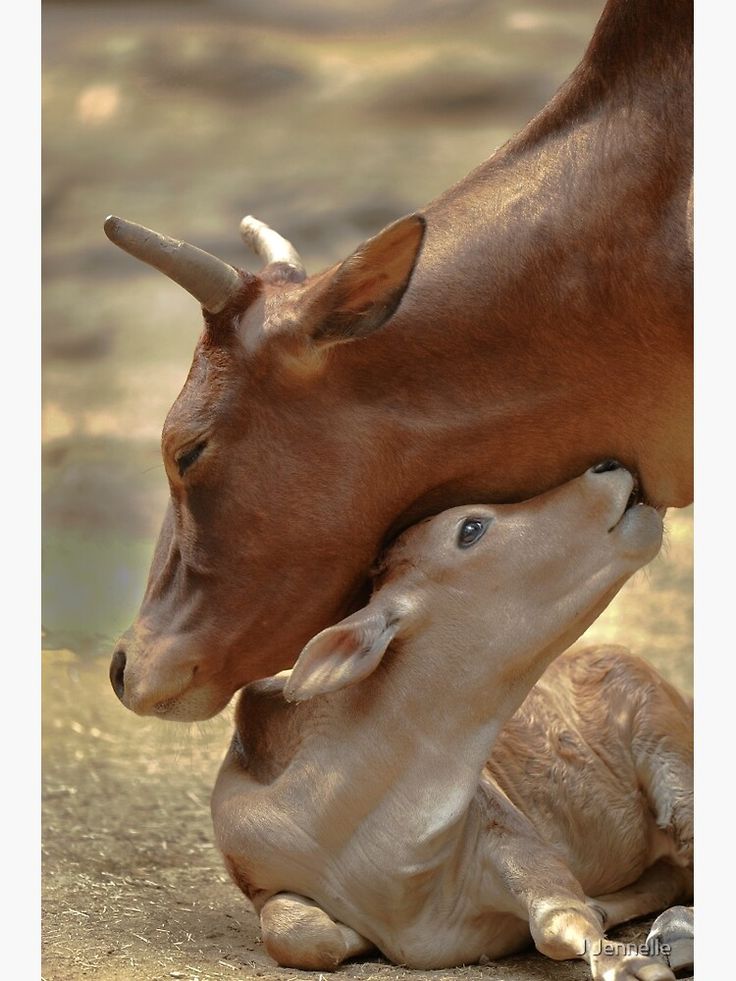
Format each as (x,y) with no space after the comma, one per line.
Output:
(271,247)
(209,279)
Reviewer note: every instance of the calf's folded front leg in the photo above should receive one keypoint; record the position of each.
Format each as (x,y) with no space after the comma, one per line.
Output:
(565,927)
(563,921)
(298,933)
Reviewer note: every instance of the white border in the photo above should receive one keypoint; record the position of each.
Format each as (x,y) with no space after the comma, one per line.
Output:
(20,397)
(715,582)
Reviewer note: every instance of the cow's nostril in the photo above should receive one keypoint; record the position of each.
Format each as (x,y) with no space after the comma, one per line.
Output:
(117,673)
(605,465)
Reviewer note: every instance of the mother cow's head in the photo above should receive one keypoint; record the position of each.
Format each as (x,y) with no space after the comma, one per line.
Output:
(284,473)
(536,320)
(321,415)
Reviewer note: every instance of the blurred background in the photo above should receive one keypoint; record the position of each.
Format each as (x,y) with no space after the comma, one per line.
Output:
(327,119)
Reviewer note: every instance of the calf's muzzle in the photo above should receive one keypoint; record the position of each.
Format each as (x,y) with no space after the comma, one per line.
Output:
(605,466)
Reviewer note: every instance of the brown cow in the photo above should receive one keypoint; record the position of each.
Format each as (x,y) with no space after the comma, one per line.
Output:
(535,318)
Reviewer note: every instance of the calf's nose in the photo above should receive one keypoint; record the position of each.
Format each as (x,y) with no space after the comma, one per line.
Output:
(605,465)
(117,673)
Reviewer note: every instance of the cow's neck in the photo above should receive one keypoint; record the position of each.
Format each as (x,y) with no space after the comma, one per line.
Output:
(640,55)
(555,287)
(633,38)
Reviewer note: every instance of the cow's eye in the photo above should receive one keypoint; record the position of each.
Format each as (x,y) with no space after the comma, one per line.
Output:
(185,461)
(471,530)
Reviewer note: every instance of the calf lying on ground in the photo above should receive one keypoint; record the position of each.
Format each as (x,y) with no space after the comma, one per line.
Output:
(415,812)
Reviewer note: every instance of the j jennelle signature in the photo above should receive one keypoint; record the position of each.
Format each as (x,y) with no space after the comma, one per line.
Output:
(655,948)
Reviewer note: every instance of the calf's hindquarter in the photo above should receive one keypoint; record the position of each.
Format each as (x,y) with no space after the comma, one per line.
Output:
(599,759)
(562,783)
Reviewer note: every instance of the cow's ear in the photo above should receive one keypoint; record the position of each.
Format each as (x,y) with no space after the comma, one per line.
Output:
(342,655)
(363,292)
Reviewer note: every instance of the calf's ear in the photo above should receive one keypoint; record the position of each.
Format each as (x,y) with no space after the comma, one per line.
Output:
(364,291)
(342,655)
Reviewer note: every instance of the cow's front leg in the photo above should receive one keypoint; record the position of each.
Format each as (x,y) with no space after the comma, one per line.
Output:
(298,933)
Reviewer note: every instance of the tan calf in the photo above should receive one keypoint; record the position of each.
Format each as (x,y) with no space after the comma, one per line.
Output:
(425,811)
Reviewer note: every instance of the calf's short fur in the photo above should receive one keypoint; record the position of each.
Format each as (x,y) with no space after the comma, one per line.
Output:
(392,792)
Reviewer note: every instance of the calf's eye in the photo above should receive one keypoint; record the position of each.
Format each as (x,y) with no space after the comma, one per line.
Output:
(185,461)
(471,530)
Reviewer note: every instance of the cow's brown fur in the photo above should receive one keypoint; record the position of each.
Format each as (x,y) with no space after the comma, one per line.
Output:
(546,324)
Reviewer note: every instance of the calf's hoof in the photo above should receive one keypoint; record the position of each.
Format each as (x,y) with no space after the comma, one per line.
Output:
(614,965)
(671,938)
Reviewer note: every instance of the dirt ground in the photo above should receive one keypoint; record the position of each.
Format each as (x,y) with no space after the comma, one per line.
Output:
(328,119)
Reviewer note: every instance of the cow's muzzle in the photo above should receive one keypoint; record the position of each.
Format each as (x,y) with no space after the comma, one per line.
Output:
(168,687)
(117,673)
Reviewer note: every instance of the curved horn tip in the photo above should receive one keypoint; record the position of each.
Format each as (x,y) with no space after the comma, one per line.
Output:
(250,225)
(111,225)
(209,279)
(271,246)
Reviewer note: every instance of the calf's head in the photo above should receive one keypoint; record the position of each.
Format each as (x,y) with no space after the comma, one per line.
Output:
(500,589)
